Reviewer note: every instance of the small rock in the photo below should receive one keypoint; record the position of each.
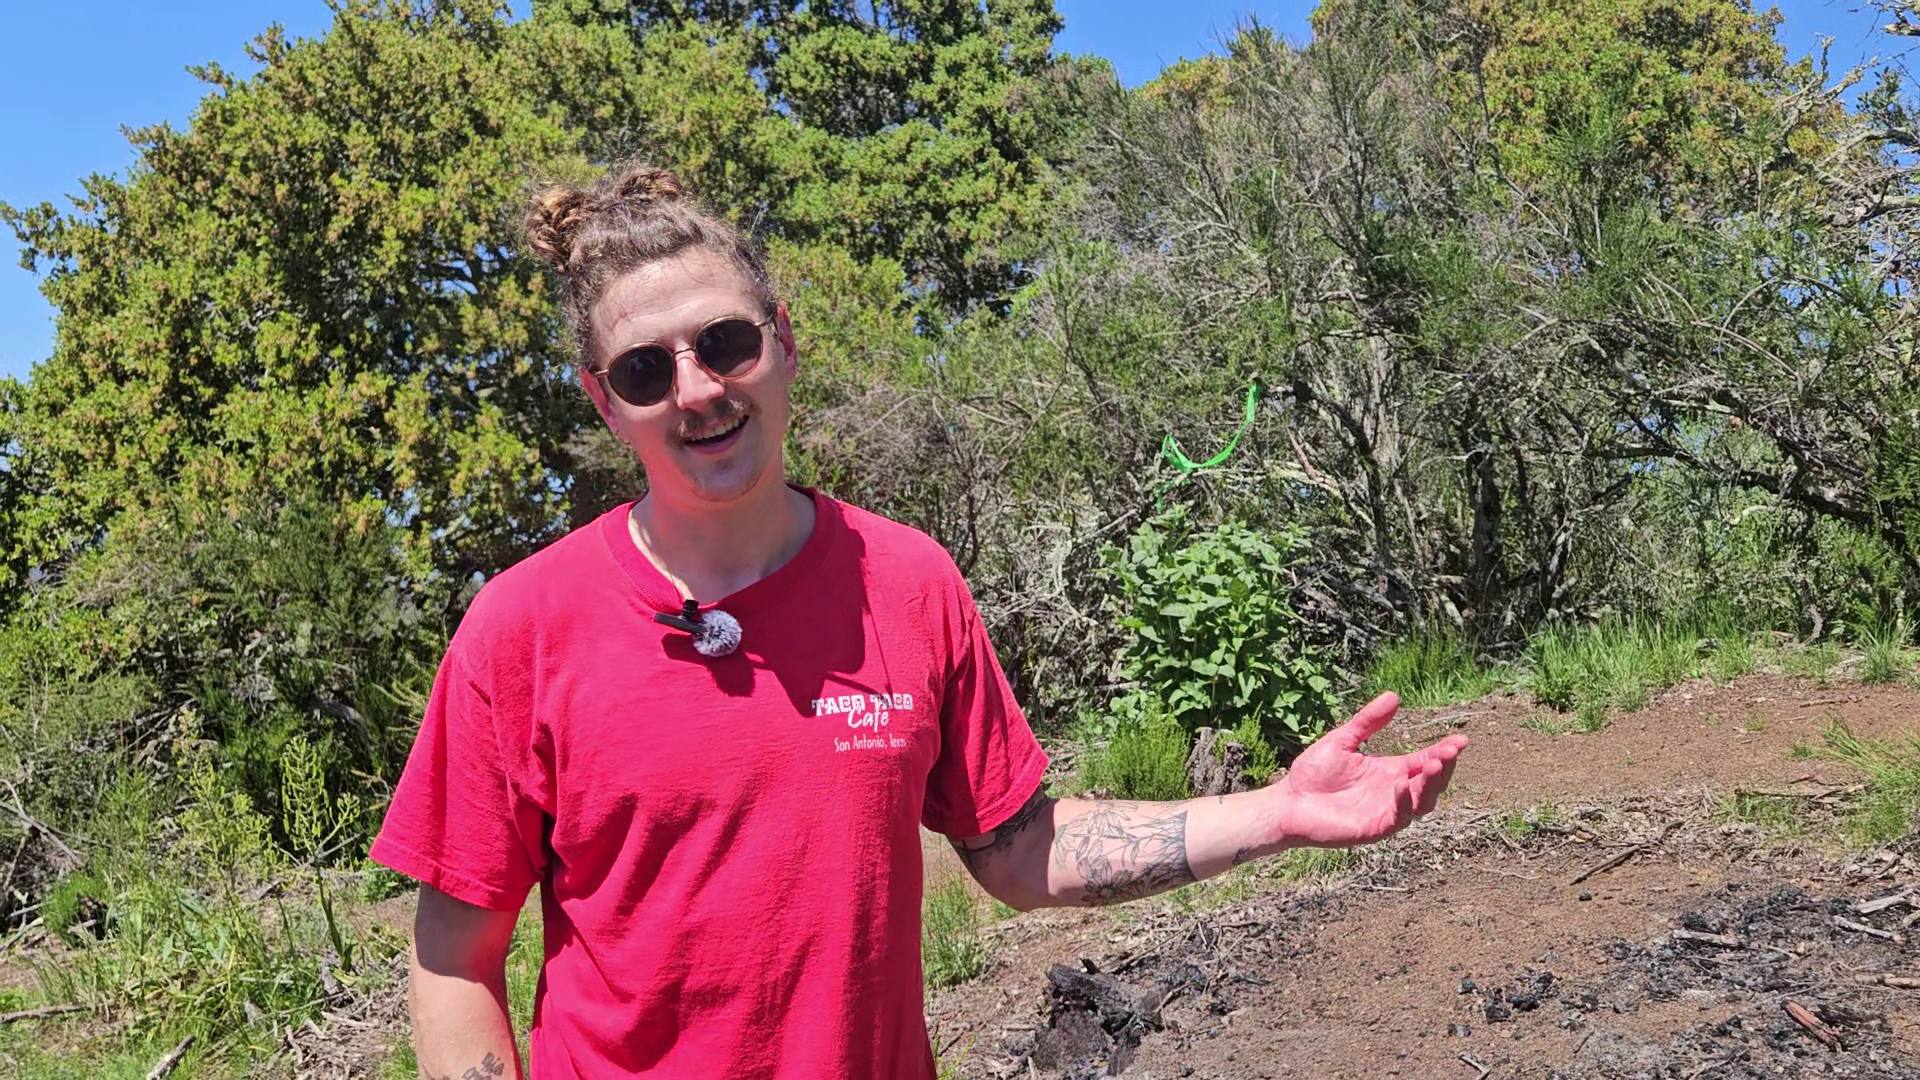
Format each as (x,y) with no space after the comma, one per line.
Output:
(1459,1031)
(1186,1070)
(1496,1010)
(1467,986)
(1586,896)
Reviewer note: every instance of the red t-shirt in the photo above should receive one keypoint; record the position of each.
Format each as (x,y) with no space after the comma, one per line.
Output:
(727,850)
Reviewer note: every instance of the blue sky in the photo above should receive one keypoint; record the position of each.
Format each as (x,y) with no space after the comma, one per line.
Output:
(72,73)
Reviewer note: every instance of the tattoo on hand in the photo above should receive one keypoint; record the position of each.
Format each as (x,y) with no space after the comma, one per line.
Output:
(1243,855)
(1004,835)
(1125,850)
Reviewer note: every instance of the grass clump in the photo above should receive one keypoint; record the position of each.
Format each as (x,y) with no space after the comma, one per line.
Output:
(1774,813)
(1732,656)
(1815,662)
(951,948)
(1520,826)
(1885,656)
(1589,717)
(1614,664)
(1431,668)
(1888,810)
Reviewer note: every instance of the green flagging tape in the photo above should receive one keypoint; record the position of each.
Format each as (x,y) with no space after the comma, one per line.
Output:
(1170,449)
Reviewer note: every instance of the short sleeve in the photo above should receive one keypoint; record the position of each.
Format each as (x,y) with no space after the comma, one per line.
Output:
(462,819)
(989,763)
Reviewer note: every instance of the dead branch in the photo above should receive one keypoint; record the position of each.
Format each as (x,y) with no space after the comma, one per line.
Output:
(35,1014)
(1727,941)
(172,1060)
(1869,907)
(1863,928)
(1897,982)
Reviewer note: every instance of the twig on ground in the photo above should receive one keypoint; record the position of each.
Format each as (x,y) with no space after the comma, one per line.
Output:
(172,1060)
(35,1014)
(1603,867)
(1898,982)
(1868,907)
(1863,928)
(1484,1069)
(1729,941)
(1629,853)
(1814,1025)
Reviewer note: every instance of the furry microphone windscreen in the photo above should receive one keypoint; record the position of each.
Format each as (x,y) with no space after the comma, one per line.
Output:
(717,634)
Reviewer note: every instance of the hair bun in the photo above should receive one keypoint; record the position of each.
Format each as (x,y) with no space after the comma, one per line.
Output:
(552,220)
(647,184)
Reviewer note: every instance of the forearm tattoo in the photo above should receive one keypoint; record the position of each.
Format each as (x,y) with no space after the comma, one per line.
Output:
(486,1070)
(1125,850)
(1008,831)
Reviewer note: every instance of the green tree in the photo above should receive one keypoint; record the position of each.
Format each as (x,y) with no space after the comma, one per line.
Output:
(314,285)
(928,132)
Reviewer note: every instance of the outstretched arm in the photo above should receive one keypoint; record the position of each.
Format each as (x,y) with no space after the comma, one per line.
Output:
(1062,852)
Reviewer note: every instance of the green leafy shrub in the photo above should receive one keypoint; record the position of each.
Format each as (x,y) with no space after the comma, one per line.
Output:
(210,930)
(1214,639)
(76,908)
(1262,760)
(1144,757)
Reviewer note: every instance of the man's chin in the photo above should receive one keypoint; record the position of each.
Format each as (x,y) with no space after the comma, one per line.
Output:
(724,479)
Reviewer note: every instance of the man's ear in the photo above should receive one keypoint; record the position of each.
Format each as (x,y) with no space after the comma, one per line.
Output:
(783,333)
(596,390)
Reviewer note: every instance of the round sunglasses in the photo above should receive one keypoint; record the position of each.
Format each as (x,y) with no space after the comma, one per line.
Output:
(727,348)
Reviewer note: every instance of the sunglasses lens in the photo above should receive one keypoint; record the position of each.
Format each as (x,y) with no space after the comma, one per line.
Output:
(729,347)
(642,376)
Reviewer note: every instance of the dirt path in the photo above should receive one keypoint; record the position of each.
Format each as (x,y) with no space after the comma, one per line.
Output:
(1364,977)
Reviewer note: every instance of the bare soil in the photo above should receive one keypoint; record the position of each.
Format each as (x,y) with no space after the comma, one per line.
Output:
(1464,951)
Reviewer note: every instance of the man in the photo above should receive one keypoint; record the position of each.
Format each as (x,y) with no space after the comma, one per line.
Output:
(722,810)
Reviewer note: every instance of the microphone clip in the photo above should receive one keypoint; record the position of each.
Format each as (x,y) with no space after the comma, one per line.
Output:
(715,634)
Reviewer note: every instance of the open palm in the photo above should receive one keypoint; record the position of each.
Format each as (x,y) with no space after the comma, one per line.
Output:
(1337,796)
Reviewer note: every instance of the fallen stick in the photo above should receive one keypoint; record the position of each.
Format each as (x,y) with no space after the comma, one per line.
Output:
(35,1014)
(1863,928)
(1729,941)
(172,1060)
(1912,917)
(1813,1024)
(1484,1069)
(1636,849)
(1603,867)
(1868,907)
(1898,982)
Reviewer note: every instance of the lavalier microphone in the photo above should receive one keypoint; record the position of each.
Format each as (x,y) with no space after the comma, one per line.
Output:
(715,633)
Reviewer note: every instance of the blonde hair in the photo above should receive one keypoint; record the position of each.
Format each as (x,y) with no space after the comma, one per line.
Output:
(634,215)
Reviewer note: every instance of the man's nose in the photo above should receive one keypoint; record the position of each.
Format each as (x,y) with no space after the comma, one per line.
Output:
(693,385)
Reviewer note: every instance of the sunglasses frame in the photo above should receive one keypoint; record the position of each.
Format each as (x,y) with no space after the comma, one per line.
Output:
(604,374)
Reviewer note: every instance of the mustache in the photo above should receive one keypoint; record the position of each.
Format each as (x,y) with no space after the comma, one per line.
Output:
(725,411)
